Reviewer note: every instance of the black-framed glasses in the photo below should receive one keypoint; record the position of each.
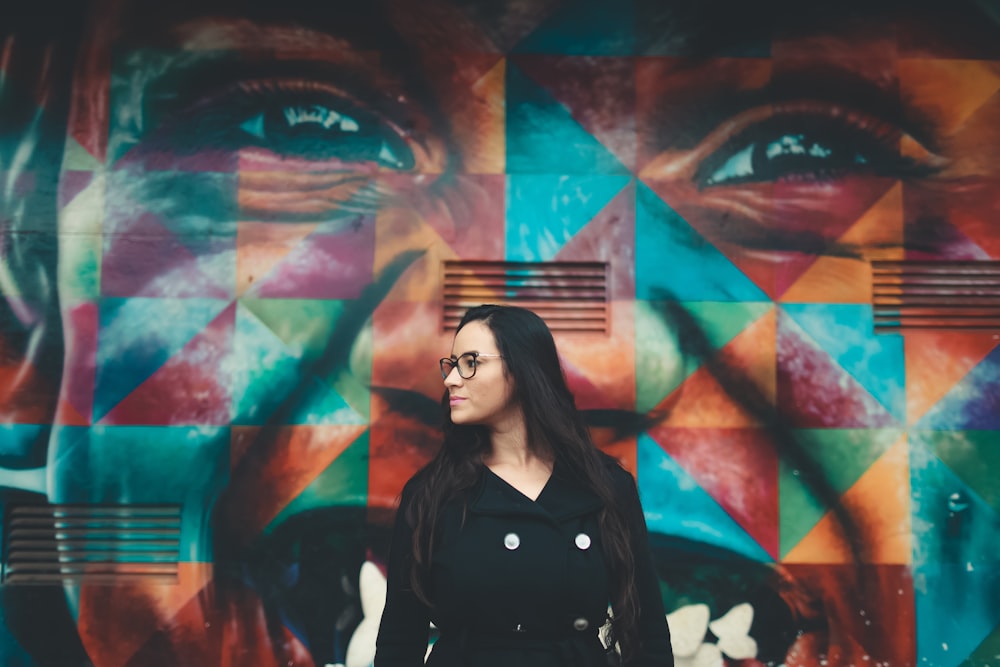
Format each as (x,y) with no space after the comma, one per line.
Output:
(466,364)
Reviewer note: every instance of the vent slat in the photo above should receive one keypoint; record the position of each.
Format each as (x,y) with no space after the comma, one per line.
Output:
(943,296)
(569,296)
(91,543)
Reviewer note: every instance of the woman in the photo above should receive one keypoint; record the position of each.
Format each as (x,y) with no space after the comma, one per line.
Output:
(517,536)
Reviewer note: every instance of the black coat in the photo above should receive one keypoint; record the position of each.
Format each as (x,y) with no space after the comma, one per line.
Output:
(520,582)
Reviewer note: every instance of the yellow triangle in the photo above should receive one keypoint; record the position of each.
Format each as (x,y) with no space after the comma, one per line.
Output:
(484,133)
(879,232)
(952,90)
(879,507)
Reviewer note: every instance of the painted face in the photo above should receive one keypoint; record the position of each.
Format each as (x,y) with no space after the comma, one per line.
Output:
(254,208)
(487,397)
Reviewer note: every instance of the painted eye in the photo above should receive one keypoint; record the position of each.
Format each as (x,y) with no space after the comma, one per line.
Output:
(809,147)
(325,130)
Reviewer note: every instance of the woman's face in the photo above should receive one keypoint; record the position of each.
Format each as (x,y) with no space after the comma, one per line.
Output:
(487,397)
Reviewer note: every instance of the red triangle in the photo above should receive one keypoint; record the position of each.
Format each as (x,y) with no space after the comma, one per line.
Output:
(936,361)
(813,391)
(191,388)
(938,223)
(609,237)
(738,467)
(82,323)
(598,92)
(67,415)
(88,121)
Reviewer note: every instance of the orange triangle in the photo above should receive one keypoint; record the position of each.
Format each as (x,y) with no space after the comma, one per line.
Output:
(260,246)
(848,280)
(951,90)
(702,401)
(275,468)
(879,504)
(480,125)
(116,621)
(936,362)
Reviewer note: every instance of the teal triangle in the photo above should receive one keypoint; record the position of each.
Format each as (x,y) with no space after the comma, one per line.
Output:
(266,370)
(187,466)
(675,505)
(846,333)
(544,138)
(951,521)
(344,483)
(674,262)
(320,404)
(955,542)
(131,346)
(586,28)
(544,212)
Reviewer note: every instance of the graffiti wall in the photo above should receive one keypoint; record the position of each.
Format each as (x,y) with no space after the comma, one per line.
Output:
(227,229)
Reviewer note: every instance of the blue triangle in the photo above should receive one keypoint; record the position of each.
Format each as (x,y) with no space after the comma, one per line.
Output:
(677,506)
(544,138)
(544,212)
(137,336)
(586,28)
(971,405)
(674,261)
(846,333)
(956,539)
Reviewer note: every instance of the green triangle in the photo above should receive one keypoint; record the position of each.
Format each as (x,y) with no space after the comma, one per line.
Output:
(660,367)
(842,456)
(78,158)
(722,321)
(344,483)
(656,350)
(799,508)
(987,653)
(974,457)
(306,326)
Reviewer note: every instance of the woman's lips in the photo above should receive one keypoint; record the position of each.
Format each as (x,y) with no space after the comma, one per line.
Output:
(455,400)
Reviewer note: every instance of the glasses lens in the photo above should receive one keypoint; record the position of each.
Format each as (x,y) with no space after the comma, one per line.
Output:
(467,365)
(446,366)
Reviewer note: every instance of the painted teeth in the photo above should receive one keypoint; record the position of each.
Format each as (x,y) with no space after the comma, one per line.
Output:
(689,625)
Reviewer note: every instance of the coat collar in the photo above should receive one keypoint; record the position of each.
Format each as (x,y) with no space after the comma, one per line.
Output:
(562,498)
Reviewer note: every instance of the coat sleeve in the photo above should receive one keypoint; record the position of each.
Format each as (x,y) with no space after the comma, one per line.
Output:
(405,627)
(654,634)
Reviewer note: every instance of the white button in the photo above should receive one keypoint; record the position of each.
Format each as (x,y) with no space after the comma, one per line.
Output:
(581,624)
(582,541)
(511,541)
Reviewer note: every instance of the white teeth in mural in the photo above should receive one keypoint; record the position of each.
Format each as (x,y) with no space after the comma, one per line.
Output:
(707,655)
(372,587)
(687,628)
(689,624)
(733,631)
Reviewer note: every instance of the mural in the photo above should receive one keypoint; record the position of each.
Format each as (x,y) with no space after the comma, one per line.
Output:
(224,224)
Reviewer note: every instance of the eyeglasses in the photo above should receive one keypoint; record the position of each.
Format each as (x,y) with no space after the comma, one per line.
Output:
(466,364)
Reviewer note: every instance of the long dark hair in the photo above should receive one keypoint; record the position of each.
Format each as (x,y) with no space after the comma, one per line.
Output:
(555,429)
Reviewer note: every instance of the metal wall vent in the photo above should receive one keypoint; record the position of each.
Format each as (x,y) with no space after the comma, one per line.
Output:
(949,296)
(53,544)
(569,296)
